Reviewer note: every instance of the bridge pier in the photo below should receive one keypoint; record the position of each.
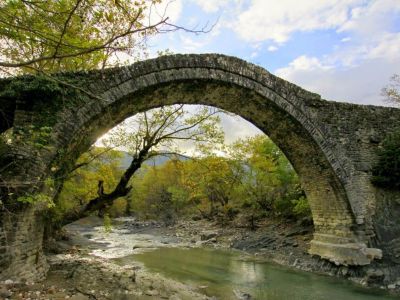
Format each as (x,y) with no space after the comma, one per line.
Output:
(343,251)
(21,245)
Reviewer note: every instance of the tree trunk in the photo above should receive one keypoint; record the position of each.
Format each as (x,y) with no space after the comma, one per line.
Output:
(103,199)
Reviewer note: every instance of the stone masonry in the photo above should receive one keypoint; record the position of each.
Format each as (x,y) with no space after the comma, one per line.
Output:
(333,147)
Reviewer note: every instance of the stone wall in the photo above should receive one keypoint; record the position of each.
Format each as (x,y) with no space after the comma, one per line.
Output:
(21,251)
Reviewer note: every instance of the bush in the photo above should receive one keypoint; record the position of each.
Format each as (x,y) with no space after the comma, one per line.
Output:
(107,223)
(301,207)
(387,172)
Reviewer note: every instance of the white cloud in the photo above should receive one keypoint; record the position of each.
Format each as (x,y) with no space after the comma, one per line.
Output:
(277,20)
(371,19)
(303,63)
(211,6)
(357,69)
(170,9)
(253,54)
(358,84)
(388,46)
(272,48)
(192,45)
(353,53)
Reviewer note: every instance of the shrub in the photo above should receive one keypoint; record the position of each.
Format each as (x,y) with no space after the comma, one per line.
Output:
(387,172)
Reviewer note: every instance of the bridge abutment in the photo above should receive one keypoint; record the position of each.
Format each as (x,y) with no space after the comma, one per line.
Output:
(21,245)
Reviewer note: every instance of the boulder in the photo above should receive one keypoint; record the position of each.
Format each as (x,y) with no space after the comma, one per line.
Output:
(207,235)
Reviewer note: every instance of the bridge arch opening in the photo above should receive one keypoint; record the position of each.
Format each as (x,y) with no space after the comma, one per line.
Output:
(277,112)
(243,172)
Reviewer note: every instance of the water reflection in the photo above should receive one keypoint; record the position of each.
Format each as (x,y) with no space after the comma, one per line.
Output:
(224,271)
(245,272)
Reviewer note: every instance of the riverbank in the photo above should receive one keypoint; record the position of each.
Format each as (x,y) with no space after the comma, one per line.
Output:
(84,264)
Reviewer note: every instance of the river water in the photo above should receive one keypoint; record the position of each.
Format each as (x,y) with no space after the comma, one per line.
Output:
(226,274)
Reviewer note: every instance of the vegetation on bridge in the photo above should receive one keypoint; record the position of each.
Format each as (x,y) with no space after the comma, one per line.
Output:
(387,172)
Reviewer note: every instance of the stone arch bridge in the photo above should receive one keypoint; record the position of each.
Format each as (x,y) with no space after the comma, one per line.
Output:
(332,146)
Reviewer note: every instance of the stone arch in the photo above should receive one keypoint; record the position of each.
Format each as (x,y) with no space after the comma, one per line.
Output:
(280,109)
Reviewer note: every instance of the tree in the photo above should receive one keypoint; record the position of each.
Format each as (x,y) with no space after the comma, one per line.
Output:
(386,173)
(72,35)
(268,181)
(392,90)
(159,193)
(154,133)
(81,184)
(212,180)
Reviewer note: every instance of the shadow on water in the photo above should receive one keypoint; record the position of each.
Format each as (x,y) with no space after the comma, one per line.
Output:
(221,273)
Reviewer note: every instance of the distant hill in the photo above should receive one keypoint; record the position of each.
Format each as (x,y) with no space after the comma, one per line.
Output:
(157,160)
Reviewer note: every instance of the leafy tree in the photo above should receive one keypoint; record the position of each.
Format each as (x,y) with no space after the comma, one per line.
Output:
(267,174)
(387,171)
(97,165)
(157,192)
(212,182)
(70,35)
(253,177)
(392,90)
(156,132)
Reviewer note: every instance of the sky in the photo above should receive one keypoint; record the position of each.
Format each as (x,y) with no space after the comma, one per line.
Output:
(344,50)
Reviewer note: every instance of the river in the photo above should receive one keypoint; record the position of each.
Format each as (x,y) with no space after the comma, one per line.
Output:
(226,274)
(223,273)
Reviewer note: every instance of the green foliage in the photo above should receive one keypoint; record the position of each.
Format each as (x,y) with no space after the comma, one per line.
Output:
(32,87)
(46,196)
(81,186)
(37,198)
(72,35)
(255,177)
(387,172)
(107,223)
(158,193)
(44,96)
(301,207)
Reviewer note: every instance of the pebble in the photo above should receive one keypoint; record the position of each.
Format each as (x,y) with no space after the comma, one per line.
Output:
(151,293)
(4,293)
(79,296)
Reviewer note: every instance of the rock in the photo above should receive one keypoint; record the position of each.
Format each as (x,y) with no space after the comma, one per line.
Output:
(297,231)
(206,235)
(152,293)
(391,286)
(242,295)
(8,281)
(344,271)
(79,296)
(4,293)
(374,276)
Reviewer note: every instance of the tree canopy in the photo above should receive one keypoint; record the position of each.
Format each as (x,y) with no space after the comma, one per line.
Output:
(71,35)
(392,91)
